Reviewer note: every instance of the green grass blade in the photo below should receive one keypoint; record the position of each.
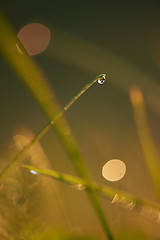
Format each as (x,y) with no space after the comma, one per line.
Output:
(145,136)
(30,75)
(35,156)
(44,130)
(124,199)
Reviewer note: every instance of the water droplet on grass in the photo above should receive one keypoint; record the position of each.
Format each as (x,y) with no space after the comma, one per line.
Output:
(102,78)
(101,81)
(34,172)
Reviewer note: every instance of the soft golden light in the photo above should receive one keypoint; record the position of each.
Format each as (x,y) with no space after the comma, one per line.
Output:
(35,38)
(136,95)
(114,170)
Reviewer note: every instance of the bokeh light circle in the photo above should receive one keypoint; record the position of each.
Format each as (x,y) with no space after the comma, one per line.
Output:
(35,38)
(114,170)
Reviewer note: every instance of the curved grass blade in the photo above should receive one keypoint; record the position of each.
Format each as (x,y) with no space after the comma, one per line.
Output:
(126,200)
(44,130)
(26,68)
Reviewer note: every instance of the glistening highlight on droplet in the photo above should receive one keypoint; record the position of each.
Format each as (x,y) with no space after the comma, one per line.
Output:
(34,172)
(114,170)
(102,78)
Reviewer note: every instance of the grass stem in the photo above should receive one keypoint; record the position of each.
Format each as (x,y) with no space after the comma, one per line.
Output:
(44,130)
(115,196)
(145,136)
(35,81)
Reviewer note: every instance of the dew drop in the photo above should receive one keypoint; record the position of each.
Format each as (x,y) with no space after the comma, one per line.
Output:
(101,81)
(34,172)
(102,78)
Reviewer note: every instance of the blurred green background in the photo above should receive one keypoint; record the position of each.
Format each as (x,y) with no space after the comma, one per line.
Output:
(121,39)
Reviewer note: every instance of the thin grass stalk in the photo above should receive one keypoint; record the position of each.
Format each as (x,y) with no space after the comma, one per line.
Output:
(115,196)
(34,80)
(44,130)
(145,137)
(37,155)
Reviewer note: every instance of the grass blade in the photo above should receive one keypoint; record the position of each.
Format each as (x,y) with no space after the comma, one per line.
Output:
(124,199)
(44,130)
(39,87)
(35,156)
(146,140)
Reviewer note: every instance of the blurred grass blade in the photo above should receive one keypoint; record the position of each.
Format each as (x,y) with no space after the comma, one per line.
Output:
(116,196)
(36,156)
(146,140)
(44,130)
(38,85)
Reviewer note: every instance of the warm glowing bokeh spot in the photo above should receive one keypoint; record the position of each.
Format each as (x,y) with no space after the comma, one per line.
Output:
(35,38)
(114,170)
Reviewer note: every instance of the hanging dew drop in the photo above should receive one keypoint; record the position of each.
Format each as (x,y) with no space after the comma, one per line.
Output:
(101,81)
(34,172)
(101,78)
